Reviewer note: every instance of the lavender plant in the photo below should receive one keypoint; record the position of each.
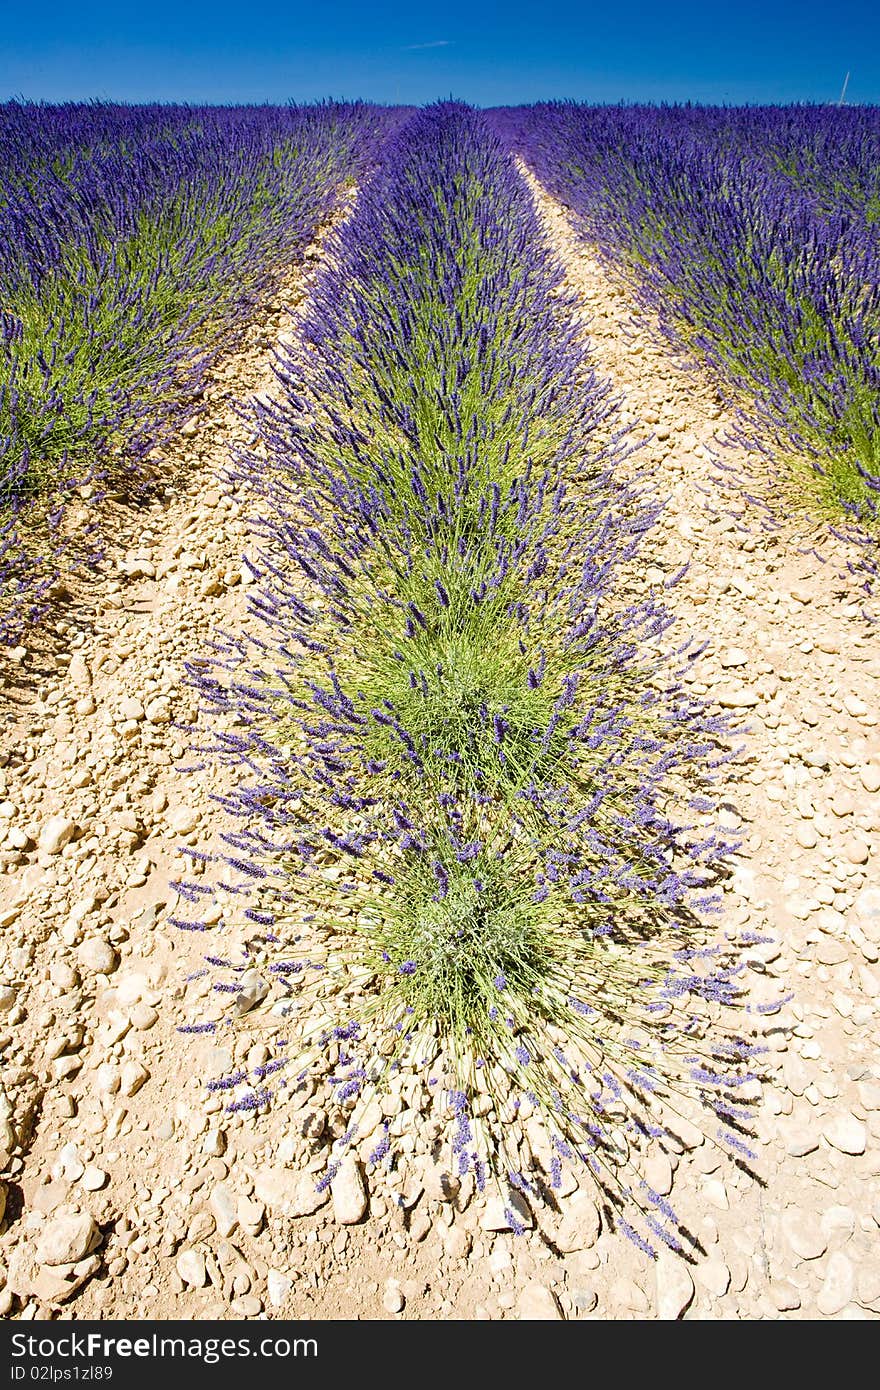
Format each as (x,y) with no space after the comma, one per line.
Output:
(134,245)
(754,238)
(471,797)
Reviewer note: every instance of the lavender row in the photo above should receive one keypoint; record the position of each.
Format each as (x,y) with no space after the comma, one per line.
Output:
(471,799)
(135,243)
(755,239)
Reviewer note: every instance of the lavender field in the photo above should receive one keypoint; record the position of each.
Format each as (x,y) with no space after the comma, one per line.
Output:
(440,786)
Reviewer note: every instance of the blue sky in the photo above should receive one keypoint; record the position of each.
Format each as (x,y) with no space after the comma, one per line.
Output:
(487,53)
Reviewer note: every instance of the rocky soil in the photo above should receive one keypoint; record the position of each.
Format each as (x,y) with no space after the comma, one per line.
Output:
(128,1190)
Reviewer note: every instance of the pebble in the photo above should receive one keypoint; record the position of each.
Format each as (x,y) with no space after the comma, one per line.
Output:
(838,1286)
(214,1143)
(67,1239)
(869,1284)
(714,1276)
(627,1294)
(279,1286)
(856,850)
(133,1076)
(250,1213)
(675,1287)
(837,1220)
(869,776)
(393,1300)
(658,1172)
(715,1192)
(55,833)
(495,1218)
(349,1193)
(182,820)
(584,1300)
(441,1186)
(201,1227)
(580,1225)
(537,1303)
(94,1178)
(845,1133)
(252,990)
(734,656)
(79,673)
(869,1094)
(804,1233)
(191,1267)
(785,1297)
(143,1016)
(741,698)
(224,1208)
(97,955)
(247,1306)
(287,1193)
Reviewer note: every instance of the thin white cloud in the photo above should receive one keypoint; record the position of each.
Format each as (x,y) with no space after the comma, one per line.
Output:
(435,43)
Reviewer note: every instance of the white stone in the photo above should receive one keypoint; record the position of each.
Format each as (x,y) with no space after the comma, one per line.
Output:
(182,819)
(658,1172)
(97,955)
(214,1143)
(67,1239)
(68,1164)
(839,1284)
(869,775)
(192,1269)
(287,1193)
(734,656)
(224,1209)
(846,1133)
(579,1227)
(279,1286)
(675,1287)
(79,673)
(349,1193)
(133,1077)
(867,907)
(538,1303)
(253,989)
(804,1233)
(714,1276)
(495,1217)
(837,1220)
(55,833)
(393,1300)
(250,1213)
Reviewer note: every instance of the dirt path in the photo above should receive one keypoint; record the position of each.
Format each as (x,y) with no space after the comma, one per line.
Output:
(131,1196)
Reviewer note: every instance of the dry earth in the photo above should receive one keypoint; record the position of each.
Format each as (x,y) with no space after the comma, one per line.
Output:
(131,1194)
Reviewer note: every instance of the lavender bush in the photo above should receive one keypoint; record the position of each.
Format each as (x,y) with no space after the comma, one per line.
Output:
(754,236)
(472,800)
(135,244)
